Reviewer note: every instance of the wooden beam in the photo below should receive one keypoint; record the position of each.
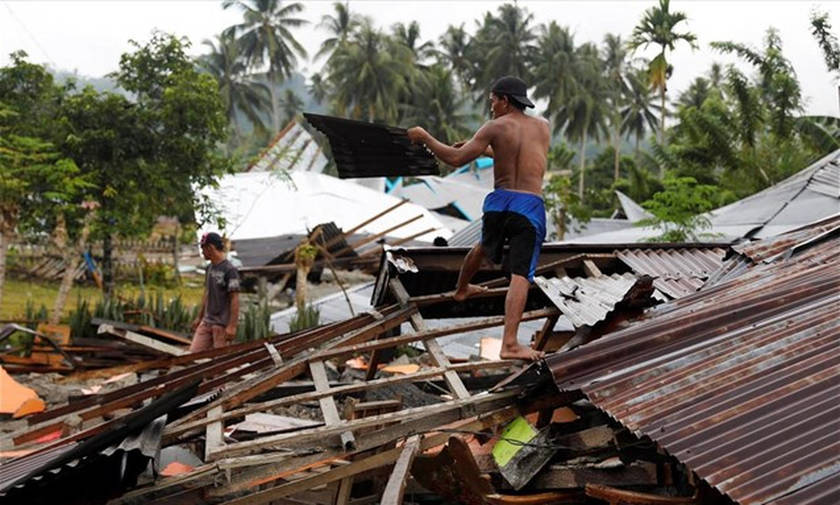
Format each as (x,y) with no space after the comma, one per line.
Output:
(591,269)
(148,342)
(541,338)
(324,435)
(327,403)
(357,467)
(394,489)
(456,387)
(172,431)
(214,434)
(568,477)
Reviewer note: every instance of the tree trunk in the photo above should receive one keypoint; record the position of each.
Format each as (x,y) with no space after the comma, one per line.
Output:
(60,240)
(636,150)
(275,113)
(66,284)
(107,265)
(582,164)
(662,128)
(300,287)
(5,239)
(617,139)
(176,251)
(560,224)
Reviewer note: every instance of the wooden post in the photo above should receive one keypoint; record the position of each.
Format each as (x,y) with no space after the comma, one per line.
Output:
(393,494)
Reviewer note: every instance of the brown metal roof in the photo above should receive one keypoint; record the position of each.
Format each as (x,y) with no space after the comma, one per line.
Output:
(739,381)
(676,272)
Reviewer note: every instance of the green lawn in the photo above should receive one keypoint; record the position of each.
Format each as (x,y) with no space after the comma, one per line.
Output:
(17,293)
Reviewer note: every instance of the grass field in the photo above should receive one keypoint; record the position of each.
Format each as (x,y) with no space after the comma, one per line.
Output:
(17,293)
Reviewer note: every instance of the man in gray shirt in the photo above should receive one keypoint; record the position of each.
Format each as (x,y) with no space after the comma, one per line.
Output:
(216,323)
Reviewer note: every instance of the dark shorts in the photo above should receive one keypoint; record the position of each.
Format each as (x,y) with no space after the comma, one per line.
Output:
(518,220)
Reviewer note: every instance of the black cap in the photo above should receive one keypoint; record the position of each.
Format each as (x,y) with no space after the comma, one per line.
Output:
(513,87)
(214,239)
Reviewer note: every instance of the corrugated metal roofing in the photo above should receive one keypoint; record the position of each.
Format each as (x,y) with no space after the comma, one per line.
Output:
(739,381)
(827,180)
(676,272)
(587,300)
(371,150)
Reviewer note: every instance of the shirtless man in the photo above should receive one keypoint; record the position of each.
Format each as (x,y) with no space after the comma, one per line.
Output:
(514,213)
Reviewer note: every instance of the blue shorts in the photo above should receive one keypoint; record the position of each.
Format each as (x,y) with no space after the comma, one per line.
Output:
(518,220)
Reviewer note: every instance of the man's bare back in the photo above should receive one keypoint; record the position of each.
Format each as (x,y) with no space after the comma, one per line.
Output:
(514,213)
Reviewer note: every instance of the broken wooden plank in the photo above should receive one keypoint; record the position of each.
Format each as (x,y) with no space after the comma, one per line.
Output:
(213,439)
(327,403)
(324,435)
(143,340)
(456,387)
(394,489)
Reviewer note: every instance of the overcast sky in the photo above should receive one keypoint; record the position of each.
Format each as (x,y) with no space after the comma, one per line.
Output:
(89,36)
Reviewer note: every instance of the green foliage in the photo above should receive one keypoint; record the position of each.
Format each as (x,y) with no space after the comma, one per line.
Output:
(306,318)
(34,315)
(255,321)
(156,311)
(678,210)
(564,206)
(821,30)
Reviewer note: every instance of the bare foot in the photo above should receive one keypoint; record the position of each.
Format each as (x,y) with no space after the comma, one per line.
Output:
(468,291)
(520,352)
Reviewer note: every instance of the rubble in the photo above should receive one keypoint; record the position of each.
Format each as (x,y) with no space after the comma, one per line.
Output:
(697,400)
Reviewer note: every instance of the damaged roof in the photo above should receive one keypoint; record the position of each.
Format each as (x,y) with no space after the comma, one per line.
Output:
(738,381)
(363,149)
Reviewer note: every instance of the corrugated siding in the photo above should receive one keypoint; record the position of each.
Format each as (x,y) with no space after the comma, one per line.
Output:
(739,381)
(586,300)
(827,180)
(370,150)
(676,272)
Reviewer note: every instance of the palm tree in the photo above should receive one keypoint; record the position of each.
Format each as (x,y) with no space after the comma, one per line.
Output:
(368,75)
(318,87)
(409,36)
(238,90)
(638,113)
(585,114)
(555,73)
(265,36)
(695,94)
(340,26)
(291,105)
(615,68)
(503,45)
(657,27)
(439,106)
(453,51)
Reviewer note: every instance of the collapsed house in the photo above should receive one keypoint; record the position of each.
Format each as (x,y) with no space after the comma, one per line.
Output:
(694,374)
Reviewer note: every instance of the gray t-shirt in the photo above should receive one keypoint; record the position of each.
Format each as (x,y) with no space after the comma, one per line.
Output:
(221,280)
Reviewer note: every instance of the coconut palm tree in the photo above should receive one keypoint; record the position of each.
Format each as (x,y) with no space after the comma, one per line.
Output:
(695,94)
(657,27)
(638,114)
(453,51)
(503,45)
(555,73)
(615,69)
(439,106)
(239,91)
(368,75)
(291,105)
(409,36)
(265,37)
(318,87)
(585,115)
(339,26)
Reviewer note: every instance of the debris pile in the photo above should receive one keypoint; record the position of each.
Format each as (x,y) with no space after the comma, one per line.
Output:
(654,392)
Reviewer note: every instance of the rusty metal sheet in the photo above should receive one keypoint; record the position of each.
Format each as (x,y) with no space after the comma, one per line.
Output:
(587,301)
(740,380)
(676,272)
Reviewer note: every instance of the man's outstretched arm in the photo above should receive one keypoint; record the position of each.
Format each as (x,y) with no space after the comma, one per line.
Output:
(451,155)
